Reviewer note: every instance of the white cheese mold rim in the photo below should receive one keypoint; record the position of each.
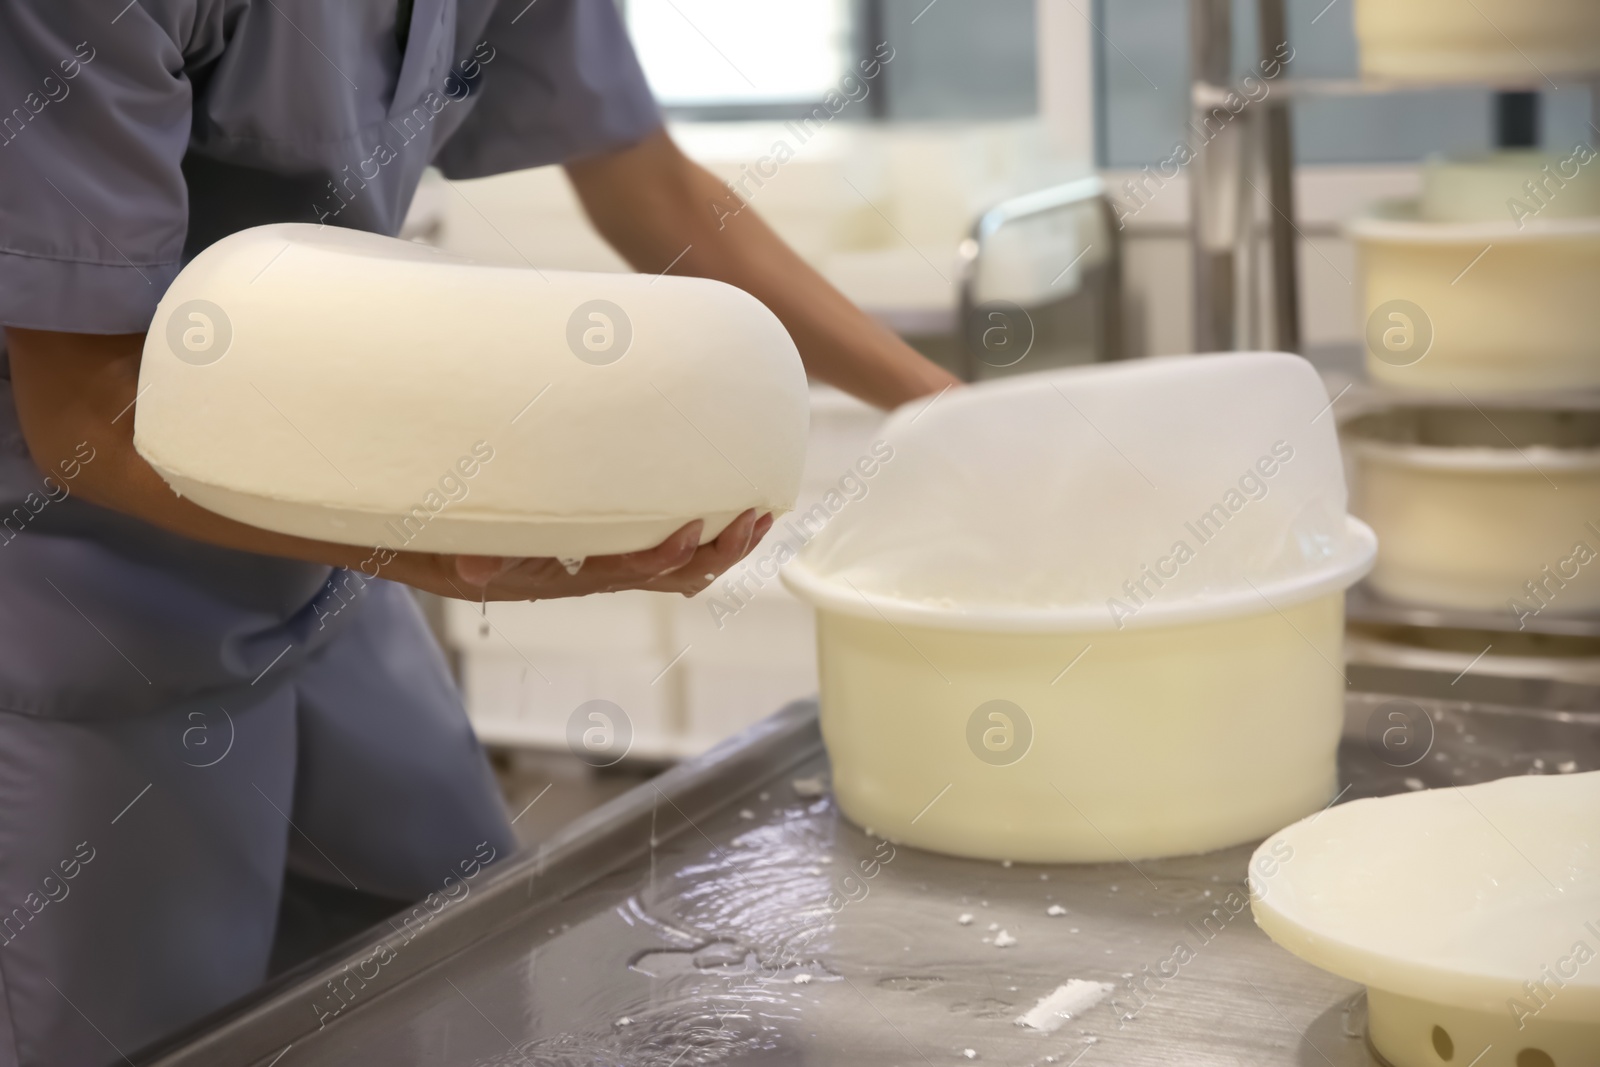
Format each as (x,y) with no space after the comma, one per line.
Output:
(1335,576)
(1400,222)
(1471,914)
(361,389)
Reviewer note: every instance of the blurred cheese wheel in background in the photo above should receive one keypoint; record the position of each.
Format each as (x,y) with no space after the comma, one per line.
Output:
(355,388)
(1493,508)
(1496,306)
(1485,283)
(1515,41)
(1512,186)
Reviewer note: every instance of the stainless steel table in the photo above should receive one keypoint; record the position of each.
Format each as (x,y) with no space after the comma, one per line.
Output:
(717,916)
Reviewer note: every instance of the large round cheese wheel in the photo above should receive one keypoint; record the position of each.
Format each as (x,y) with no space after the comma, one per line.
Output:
(360,389)
(1471,914)
(1454,896)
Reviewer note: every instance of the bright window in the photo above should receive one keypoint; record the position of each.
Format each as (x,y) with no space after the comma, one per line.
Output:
(729,53)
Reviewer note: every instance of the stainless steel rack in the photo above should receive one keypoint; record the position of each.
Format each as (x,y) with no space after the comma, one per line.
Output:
(1257,146)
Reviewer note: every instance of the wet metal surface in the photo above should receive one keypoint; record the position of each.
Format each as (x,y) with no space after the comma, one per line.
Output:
(762,928)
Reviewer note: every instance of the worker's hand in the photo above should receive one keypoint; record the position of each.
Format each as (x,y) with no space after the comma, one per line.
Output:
(680,564)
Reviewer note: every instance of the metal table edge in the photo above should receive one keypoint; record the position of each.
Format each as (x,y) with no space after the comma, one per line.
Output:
(592,846)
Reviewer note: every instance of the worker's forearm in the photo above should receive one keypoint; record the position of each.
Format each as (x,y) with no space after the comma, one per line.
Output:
(75,395)
(657,208)
(76,391)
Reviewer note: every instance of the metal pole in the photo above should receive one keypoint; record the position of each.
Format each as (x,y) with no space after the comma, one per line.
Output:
(1219,140)
(1278,134)
(1113,342)
(874,31)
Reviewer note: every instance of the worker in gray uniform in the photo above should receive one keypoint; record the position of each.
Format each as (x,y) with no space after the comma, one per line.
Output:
(183,712)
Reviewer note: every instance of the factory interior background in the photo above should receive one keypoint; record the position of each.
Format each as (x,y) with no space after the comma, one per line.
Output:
(1140,204)
(873,136)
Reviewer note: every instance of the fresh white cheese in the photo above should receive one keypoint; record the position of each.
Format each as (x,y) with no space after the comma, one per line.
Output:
(361,389)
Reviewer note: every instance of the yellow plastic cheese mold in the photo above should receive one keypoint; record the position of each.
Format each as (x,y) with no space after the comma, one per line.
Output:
(1091,614)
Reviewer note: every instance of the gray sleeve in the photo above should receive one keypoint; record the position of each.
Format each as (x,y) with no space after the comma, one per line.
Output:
(93,207)
(561,82)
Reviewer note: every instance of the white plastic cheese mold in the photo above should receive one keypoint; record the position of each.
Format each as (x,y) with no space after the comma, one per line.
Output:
(360,389)
(1091,614)
(1471,914)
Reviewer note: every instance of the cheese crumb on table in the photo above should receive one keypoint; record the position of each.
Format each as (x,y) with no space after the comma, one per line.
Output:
(808,788)
(1055,1008)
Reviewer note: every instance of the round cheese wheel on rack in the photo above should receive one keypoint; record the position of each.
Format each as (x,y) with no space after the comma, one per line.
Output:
(1508,43)
(360,389)
(1470,913)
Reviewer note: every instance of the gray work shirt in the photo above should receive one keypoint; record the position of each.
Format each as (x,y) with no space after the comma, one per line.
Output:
(133,136)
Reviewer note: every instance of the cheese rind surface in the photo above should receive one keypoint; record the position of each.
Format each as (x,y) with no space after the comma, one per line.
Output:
(356,388)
